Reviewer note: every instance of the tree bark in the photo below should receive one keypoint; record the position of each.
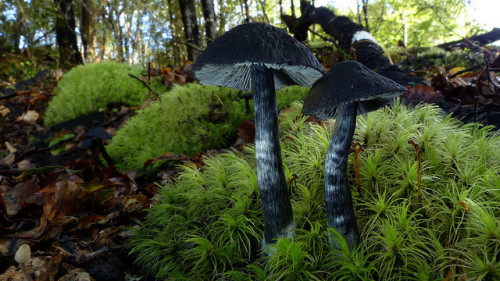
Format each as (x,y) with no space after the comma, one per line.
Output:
(352,38)
(222,16)
(174,30)
(210,18)
(365,14)
(245,10)
(17,29)
(115,14)
(69,54)
(87,29)
(191,30)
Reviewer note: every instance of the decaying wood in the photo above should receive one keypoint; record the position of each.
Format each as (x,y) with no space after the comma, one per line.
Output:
(364,49)
(474,41)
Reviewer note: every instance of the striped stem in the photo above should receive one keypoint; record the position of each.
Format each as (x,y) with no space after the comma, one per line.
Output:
(276,205)
(338,199)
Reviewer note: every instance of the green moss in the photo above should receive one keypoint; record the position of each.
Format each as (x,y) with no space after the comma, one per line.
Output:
(93,88)
(426,58)
(188,119)
(207,224)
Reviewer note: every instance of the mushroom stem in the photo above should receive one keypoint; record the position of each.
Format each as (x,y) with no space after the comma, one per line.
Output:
(276,205)
(26,274)
(338,199)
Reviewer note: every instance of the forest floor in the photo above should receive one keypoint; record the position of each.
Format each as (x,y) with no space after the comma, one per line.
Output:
(77,214)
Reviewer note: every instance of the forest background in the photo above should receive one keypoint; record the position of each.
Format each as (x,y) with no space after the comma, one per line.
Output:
(41,40)
(52,34)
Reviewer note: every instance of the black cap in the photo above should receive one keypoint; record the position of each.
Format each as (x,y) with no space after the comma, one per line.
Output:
(350,81)
(226,61)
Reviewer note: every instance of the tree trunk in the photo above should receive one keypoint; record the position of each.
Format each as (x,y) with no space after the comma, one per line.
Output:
(365,14)
(87,29)
(191,31)
(210,19)
(137,43)
(17,30)
(69,54)
(118,33)
(245,10)
(126,29)
(174,30)
(352,38)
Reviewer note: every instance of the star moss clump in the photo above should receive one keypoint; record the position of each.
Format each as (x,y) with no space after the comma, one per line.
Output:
(188,119)
(207,223)
(93,88)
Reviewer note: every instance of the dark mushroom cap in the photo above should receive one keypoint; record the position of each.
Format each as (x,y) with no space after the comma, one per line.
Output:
(98,132)
(94,136)
(350,81)
(228,59)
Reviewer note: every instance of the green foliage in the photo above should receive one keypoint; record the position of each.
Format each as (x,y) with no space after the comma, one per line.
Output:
(208,224)
(188,119)
(92,88)
(391,21)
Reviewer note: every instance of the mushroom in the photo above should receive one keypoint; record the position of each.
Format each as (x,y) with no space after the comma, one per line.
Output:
(23,255)
(94,140)
(262,58)
(348,89)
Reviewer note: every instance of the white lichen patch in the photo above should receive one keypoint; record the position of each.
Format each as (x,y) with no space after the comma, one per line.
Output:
(363,35)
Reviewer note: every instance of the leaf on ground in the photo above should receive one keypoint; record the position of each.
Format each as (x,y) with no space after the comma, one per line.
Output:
(8,160)
(15,198)
(422,93)
(42,268)
(77,274)
(88,220)
(246,132)
(29,117)
(62,197)
(4,111)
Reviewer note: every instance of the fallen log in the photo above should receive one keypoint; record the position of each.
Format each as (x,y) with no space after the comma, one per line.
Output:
(474,41)
(358,44)
(352,38)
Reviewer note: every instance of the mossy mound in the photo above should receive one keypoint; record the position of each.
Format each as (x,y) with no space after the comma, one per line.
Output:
(92,88)
(207,224)
(428,58)
(188,119)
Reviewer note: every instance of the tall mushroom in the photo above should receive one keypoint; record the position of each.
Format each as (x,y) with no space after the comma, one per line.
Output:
(262,58)
(348,89)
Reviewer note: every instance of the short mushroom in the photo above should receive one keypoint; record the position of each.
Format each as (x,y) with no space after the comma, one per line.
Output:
(262,58)
(94,140)
(23,255)
(348,89)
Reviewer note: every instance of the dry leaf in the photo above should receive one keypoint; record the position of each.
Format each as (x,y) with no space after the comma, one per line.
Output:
(24,165)
(4,111)
(15,198)
(29,117)
(8,160)
(10,147)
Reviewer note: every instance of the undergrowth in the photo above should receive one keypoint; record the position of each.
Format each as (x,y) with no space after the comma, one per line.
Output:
(187,119)
(94,88)
(207,224)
